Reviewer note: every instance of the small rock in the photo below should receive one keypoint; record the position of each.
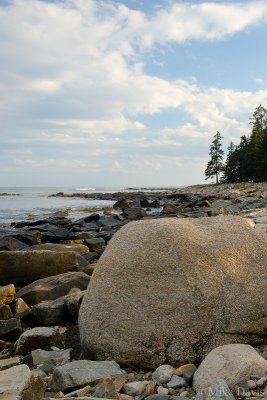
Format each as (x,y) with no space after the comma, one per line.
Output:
(105,389)
(162,390)
(21,308)
(119,382)
(135,388)
(95,243)
(47,360)
(176,382)
(39,337)
(10,329)
(262,381)
(83,372)
(123,396)
(86,391)
(7,294)
(170,208)
(5,312)
(251,384)
(163,374)
(19,383)
(8,363)
(158,397)
(134,213)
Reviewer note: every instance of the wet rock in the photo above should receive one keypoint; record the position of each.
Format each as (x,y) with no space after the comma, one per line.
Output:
(28,237)
(7,294)
(83,372)
(5,312)
(21,308)
(134,213)
(59,311)
(122,203)
(21,384)
(40,337)
(78,248)
(53,287)
(11,243)
(95,243)
(170,208)
(23,267)
(10,329)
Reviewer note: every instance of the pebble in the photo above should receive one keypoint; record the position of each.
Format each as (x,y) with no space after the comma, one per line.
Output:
(163,374)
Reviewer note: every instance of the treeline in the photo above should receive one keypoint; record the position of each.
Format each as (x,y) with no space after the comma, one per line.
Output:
(246,162)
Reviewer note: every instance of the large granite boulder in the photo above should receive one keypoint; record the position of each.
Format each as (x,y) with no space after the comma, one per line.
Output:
(170,290)
(23,267)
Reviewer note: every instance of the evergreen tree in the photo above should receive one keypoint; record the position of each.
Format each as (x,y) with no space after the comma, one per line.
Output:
(230,173)
(248,161)
(215,165)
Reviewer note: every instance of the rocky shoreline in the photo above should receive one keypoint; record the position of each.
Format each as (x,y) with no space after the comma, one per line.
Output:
(45,268)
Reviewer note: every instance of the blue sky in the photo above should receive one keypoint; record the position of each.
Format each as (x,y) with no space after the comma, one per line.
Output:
(125,92)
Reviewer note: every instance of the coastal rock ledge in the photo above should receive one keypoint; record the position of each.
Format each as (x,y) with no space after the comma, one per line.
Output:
(170,290)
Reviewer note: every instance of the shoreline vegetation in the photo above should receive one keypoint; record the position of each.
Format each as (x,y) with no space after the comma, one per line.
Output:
(45,268)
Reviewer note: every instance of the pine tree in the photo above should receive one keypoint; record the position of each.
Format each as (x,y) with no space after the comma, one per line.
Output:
(248,161)
(215,165)
(230,169)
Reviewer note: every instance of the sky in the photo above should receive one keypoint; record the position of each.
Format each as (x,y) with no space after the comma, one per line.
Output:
(125,92)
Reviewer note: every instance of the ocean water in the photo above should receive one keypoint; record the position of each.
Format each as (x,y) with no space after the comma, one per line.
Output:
(35,203)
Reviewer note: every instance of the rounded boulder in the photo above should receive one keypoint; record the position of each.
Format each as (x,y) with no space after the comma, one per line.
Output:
(170,290)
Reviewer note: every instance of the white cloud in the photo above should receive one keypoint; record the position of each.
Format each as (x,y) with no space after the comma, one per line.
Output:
(73,78)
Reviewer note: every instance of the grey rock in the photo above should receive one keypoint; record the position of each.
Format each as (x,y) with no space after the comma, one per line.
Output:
(12,244)
(59,311)
(134,213)
(10,329)
(158,397)
(48,360)
(163,374)
(176,382)
(18,383)
(83,372)
(135,388)
(232,362)
(9,362)
(219,391)
(203,264)
(39,337)
(53,287)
